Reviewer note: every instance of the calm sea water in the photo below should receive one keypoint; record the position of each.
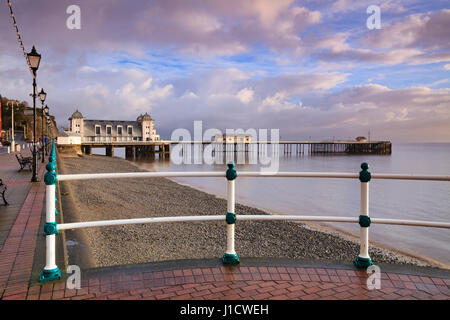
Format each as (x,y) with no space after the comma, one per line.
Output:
(395,199)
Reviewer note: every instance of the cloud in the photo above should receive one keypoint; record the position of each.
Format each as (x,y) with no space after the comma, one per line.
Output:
(198,28)
(417,39)
(239,64)
(277,102)
(340,7)
(245,95)
(417,31)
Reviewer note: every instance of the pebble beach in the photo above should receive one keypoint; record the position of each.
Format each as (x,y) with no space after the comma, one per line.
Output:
(159,197)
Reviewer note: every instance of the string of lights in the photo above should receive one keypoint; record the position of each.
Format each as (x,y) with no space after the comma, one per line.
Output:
(19,37)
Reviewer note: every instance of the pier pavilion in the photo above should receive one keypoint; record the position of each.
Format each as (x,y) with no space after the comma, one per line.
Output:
(143,129)
(136,136)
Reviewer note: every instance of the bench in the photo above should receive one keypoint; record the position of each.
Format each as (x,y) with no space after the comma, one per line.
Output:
(24,162)
(3,190)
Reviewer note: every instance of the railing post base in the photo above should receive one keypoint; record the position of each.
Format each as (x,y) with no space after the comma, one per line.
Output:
(50,275)
(362,263)
(230,258)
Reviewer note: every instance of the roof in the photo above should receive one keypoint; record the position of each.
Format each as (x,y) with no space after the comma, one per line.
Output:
(68,134)
(76,115)
(145,117)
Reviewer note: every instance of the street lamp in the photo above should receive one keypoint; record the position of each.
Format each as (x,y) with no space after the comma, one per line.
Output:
(13,143)
(42,96)
(34,59)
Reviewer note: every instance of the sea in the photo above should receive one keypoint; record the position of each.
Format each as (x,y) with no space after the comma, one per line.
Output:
(393,199)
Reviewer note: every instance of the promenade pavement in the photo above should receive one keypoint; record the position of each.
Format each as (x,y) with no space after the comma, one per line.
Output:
(253,279)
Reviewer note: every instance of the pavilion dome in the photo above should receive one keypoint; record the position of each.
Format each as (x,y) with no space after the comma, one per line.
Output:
(76,115)
(146,117)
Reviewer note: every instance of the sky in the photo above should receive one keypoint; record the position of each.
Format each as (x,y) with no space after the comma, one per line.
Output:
(308,68)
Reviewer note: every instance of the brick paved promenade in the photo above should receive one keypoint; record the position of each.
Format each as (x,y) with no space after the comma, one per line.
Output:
(203,279)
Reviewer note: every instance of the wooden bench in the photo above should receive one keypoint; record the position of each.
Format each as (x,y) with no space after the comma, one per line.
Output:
(3,189)
(24,161)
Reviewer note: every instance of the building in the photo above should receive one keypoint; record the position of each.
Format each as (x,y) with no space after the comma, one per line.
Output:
(238,138)
(1,110)
(143,129)
(68,138)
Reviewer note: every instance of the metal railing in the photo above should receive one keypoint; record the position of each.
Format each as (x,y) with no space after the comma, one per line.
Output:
(363,260)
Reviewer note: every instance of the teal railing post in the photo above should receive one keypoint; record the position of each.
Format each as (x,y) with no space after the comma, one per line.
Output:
(363,260)
(51,270)
(230,256)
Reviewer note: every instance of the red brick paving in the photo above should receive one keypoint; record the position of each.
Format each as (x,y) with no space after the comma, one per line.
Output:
(211,283)
(16,256)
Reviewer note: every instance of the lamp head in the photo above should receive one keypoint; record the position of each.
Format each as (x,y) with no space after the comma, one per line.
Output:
(34,58)
(42,95)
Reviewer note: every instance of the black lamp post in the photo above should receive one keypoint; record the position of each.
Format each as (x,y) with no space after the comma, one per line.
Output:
(34,59)
(50,129)
(42,96)
(47,117)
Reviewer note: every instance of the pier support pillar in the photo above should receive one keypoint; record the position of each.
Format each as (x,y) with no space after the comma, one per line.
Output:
(88,150)
(129,152)
(110,151)
(167,148)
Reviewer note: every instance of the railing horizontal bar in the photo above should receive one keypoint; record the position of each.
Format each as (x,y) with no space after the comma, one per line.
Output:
(243,174)
(121,175)
(105,223)
(410,177)
(417,223)
(297,218)
(343,175)
(298,174)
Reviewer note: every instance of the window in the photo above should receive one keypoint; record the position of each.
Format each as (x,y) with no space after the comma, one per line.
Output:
(108,130)
(130,131)
(119,131)
(97,130)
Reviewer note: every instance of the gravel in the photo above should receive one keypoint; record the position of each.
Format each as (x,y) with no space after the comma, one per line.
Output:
(159,197)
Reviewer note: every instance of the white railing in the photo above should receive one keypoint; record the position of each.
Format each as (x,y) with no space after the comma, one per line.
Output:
(363,260)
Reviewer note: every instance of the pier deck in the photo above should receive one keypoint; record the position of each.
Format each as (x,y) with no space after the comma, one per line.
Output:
(138,148)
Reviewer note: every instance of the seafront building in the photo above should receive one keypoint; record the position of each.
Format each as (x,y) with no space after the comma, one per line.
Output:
(143,129)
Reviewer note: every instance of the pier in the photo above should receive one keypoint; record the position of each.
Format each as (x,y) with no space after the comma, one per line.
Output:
(136,149)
